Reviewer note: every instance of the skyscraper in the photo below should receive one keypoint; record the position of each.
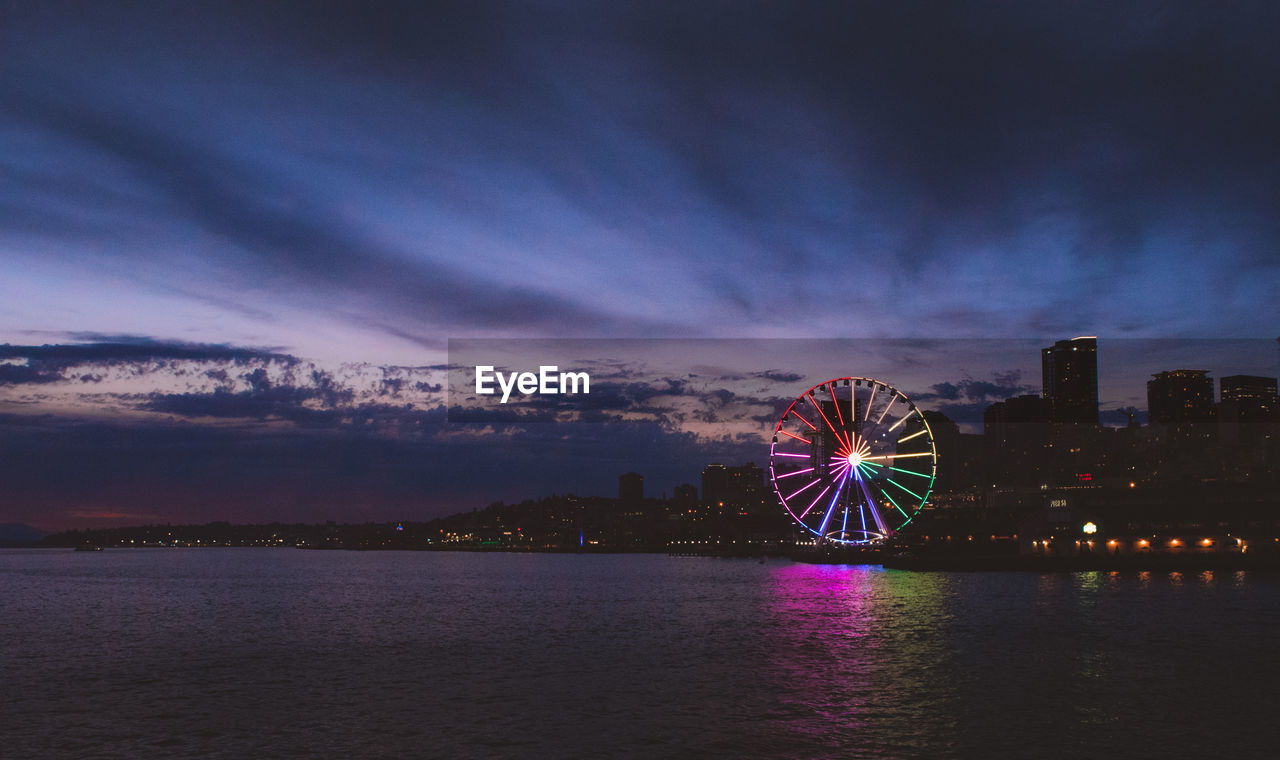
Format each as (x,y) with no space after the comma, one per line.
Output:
(1180,395)
(715,484)
(1247,398)
(1069,372)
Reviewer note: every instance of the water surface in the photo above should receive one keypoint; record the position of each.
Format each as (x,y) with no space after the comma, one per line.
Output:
(280,652)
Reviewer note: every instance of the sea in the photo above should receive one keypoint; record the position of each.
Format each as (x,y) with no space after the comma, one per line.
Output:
(265,653)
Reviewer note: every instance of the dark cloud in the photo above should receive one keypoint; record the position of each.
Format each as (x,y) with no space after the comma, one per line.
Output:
(1004,385)
(137,350)
(67,362)
(273,229)
(261,404)
(778,376)
(719,397)
(742,168)
(18,374)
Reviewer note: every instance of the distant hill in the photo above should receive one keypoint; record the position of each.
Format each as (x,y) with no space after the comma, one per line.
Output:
(16,534)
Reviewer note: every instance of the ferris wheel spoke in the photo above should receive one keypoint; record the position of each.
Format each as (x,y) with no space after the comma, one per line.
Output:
(902,419)
(887,407)
(822,528)
(792,410)
(818,498)
(798,438)
(811,484)
(897,456)
(891,501)
(843,441)
(871,506)
(910,472)
(831,387)
(908,490)
(870,430)
(921,431)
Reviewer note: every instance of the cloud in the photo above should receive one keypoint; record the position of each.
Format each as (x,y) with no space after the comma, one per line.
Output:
(299,245)
(137,349)
(16,374)
(1004,385)
(627,171)
(778,376)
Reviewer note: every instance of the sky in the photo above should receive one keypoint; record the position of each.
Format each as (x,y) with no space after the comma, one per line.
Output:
(236,239)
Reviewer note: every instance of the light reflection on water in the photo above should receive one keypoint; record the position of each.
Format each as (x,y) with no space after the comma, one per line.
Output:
(854,649)
(334,654)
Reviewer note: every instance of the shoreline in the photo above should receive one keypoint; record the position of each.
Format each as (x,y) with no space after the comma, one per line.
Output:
(979,563)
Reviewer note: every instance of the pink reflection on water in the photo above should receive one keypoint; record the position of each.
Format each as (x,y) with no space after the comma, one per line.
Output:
(852,646)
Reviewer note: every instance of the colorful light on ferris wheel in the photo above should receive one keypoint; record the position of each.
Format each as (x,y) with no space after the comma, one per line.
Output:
(850,460)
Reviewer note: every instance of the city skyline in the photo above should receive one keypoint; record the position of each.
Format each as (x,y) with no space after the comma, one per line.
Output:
(303,444)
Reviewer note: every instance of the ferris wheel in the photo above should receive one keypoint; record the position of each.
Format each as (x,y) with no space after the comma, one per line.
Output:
(852,460)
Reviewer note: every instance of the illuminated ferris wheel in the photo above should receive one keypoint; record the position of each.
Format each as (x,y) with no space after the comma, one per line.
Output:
(852,460)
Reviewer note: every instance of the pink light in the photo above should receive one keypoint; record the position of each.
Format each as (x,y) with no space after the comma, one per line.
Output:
(815,501)
(797,472)
(812,483)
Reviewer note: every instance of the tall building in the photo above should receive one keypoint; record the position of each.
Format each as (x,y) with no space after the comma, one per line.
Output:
(1247,398)
(1180,395)
(1255,395)
(715,483)
(1069,373)
(631,488)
